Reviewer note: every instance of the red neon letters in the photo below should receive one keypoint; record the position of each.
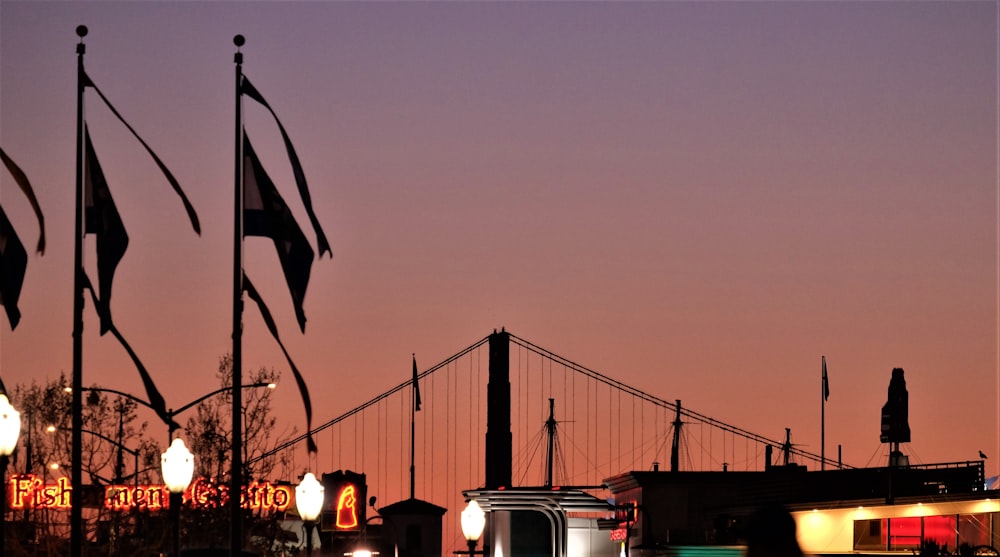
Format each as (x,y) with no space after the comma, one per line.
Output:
(29,491)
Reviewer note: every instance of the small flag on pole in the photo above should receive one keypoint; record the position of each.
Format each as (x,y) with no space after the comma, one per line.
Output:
(826,382)
(416,386)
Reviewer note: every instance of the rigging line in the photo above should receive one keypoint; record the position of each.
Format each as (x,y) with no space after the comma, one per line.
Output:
(586,457)
(656,400)
(404,385)
(536,442)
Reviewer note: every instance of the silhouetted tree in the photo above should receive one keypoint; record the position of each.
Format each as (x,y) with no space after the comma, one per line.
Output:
(209,436)
(114,423)
(111,429)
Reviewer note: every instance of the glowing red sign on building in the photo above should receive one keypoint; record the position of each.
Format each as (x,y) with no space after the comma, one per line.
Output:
(29,491)
(344,504)
(347,507)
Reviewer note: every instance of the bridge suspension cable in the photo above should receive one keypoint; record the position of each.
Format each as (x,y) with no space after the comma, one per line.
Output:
(404,385)
(528,345)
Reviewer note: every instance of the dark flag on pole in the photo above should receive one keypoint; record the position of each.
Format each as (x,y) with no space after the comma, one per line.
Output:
(102,219)
(153,395)
(265,213)
(13,256)
(826,382)
(249,90)
(101,215)
(22,181)
(271,326)
(13,264)
(192,216)
(416,386)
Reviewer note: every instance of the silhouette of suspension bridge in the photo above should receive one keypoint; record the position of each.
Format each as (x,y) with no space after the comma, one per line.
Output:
(569,426)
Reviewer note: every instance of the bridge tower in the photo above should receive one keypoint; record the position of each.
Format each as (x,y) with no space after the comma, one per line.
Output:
(499,440)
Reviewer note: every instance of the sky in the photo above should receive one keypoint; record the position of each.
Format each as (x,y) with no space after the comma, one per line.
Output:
(698,199)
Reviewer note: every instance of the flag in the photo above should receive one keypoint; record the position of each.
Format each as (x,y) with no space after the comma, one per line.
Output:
(13,256)
(13,264)
(826,382)
(22,181)
(249,90)
(303,390)
(266,214)
(192,216)
(102,219)
(416,386)
(153,395)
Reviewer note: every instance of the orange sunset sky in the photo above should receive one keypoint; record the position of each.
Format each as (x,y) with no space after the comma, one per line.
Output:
(698,199)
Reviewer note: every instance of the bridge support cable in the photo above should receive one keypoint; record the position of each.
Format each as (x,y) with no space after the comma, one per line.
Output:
(735,430)
(404,385)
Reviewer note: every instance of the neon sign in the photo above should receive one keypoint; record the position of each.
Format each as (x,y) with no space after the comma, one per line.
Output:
(347,511)
(128,497)
(29,491)
(626,516)
(344,504)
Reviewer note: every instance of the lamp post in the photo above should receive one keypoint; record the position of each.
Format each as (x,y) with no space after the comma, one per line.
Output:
(10,429)
(473,523)
(309,502)
(177,467)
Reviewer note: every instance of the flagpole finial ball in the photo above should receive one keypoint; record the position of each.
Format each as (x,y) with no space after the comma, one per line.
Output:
(81,31)
(238,40)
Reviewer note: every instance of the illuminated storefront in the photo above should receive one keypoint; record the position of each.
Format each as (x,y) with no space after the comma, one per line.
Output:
(904,526)
(837,511)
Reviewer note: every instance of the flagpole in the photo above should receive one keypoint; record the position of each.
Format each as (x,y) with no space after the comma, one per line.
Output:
(822,417)
(76,459)
(236,483)
(413,432)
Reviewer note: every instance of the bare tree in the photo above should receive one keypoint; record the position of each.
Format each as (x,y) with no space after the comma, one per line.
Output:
(115,448)
(209,434)
(118,449)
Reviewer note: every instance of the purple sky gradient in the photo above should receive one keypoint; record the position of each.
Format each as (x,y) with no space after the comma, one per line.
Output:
(697,199)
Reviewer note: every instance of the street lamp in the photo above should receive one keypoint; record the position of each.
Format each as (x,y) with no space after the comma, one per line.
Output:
(473,522)
(178,467)
(10,429)
(309,502)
